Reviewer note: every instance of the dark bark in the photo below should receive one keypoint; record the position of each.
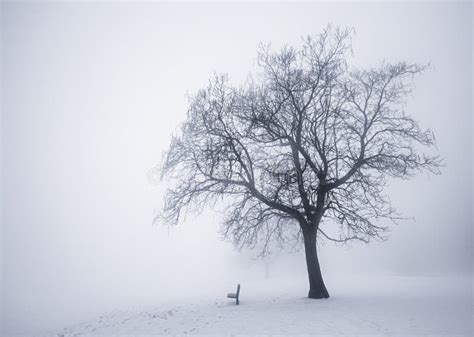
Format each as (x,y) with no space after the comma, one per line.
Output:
(317,289)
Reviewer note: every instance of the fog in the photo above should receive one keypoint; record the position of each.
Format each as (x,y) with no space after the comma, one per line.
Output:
(91,94)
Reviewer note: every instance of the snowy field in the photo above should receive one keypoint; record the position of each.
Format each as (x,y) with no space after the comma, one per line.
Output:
(388,306)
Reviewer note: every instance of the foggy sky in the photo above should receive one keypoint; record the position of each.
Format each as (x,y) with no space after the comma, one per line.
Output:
(91,96)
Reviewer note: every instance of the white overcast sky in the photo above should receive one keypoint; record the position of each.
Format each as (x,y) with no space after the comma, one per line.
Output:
(92,93)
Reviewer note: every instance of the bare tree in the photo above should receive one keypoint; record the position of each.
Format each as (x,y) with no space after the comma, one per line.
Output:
(306,148)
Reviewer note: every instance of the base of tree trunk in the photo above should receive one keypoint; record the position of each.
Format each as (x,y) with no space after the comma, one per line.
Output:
(317,289)
(318,293)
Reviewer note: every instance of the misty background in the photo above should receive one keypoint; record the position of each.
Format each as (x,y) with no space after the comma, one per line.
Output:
(91,94)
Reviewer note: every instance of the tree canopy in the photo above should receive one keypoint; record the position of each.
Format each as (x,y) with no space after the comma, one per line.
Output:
(307,143)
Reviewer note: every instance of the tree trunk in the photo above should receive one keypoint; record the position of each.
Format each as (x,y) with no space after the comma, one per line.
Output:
(317,289)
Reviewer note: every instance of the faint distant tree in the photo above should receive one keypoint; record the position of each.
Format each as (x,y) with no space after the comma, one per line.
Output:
(303,151)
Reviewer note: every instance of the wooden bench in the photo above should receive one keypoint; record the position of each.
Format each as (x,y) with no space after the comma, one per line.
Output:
(236,295)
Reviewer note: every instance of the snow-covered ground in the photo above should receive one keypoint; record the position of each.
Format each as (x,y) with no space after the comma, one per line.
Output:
(394,306)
